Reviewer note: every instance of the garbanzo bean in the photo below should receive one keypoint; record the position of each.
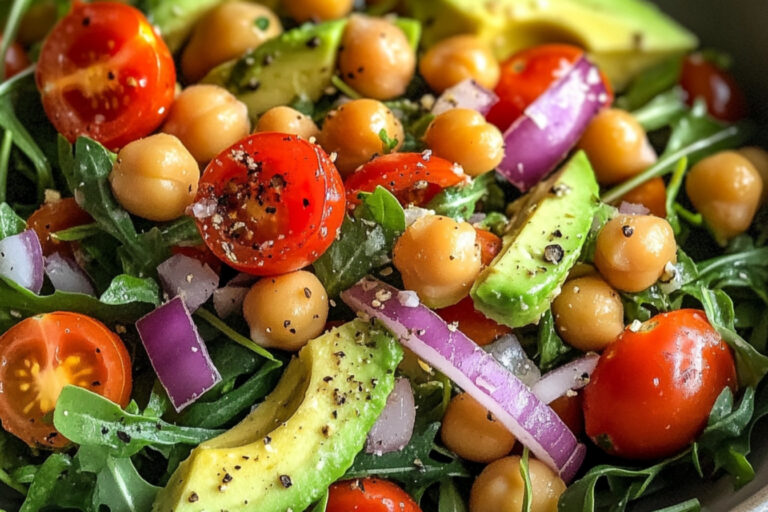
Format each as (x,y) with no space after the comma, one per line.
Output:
(225,33)
(632,250)
(287,120)
(155,177)
(726,189)
(375,58)
(207,119)
(500,487)
(463,136)
(457,58)
(471,431)
(317,10)
(652,194)
(439,259)
(758,157)
(588,313)
(352,132)
(286,311)
(617,146)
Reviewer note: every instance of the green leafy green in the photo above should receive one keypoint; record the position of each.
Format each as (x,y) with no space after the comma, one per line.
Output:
(215,322)
(651,83)
(77,233)
(43,487)
(525,474)
(389,143)
(551,348)
(321,505)
(460,201)
(10,223)
(449,498)
(125,289)
(662,110)
(118,485)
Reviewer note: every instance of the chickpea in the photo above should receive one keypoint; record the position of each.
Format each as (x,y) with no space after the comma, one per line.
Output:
(439,259)
(458,58)
(286,311)
(632,250)
(463,136)
(652,194)
(473,433)
(225,33)
(207,119)
(590,298)
(317,10)
(155,177)
(375,58)
(758,157)
(352,132)
(287,120)
(617,146)
(726,189)
(500,487)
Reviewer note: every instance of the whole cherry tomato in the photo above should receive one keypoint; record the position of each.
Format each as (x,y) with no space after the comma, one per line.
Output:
(369,495)
(275,203)
(478,327)
(104,72)
(57,216)
(16,59)
(654,387)
(700,78)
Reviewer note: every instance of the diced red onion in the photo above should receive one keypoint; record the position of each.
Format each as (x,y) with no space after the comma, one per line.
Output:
(394,428)
(466,94)
(421,330)
(633,209)
(571,376)
(540,138)
(242,279)
(508,351)
(21,260)
(177,353)
(188,278)
(67,276)
(228,300)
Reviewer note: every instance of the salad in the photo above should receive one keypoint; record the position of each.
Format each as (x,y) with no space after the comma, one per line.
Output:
(417,255)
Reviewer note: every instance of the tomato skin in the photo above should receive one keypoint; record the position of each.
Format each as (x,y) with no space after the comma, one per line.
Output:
(57,216)
(42,354)
(402,174)
(569,409)
(104,72)
(16,59)
(653,389)
(490,245)
(478,327)
(369,495)
(279,202)
(701,78)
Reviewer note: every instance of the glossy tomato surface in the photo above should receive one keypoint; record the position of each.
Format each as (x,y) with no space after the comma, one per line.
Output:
(369,495)
(653,388)
(273,203)
(478,327)
(104,73)
(53,217)
(701,78)
(42,354)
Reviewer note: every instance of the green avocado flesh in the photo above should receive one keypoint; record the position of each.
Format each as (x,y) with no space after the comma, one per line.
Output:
(542,244)
(303,437)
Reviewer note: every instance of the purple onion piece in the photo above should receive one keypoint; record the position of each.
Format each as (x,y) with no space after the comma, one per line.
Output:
(21,260)
(569,377)
(542,137)
(228,300)
(177,353)
(66,275)
(421,330)
(466,94)
(394,428)
(187,278)
(508,351)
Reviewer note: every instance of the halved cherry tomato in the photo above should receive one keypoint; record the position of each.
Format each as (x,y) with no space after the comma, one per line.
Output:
(42,354)
(478,327)
(369,495)
(104,72)
(654,387)
(16,59)
(526,75)
(279,202)
(652,194)
(701,78)
(57,216)
(414,178)
(490,245)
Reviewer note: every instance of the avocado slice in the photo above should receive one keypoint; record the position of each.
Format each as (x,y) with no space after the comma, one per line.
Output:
(540,247)
(303,437)
(622,36)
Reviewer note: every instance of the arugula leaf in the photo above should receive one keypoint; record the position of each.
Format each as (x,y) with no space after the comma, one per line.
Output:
(551,348)
(42,490)
(182,231)
(495,222)
(389,143)
(125,289)
(747,269)
(651,83)
(526,476)
(321,505)
(449,499)
(10,223)
(215,322)
(118,485)
(459,202)
(77,233)
(662,110)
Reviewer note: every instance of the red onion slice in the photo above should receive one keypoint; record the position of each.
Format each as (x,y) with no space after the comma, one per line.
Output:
(21,260)
(539,139)
(466,94)
(66,276)
(394,428)
(421,330)
(189,278)
(177,353)
(508,351)
(571,376)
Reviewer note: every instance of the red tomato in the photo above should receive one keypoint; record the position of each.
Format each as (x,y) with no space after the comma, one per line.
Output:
(701,78)
(57,216)
(653,389)
(16,59)
(369,495)
(478,327)
(104,72)
(527,75)
(414,178)
(42,354)
(490,245)
(279,202)
(569,409)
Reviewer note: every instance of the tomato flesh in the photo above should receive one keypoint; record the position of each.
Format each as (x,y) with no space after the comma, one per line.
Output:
(478,327)
(701,78)
(53,217)
(369,495)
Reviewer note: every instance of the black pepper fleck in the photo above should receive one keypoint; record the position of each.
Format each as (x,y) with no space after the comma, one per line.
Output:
(628,231)
(285,481)
(553,253)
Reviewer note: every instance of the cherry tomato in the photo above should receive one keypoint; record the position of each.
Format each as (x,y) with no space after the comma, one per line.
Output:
(53,217)
(369,495)
(414,178)
(701,78)
(652,194)
(42,354)
(490,245)
(478,327)
(16,59)
(103,72)
(278,201)
(569,409)
(653,389)
(526,75)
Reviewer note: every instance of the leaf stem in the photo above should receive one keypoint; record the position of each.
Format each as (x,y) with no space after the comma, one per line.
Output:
(18,9)
(345,89)
(232,334)
(5,157)
(6,479)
